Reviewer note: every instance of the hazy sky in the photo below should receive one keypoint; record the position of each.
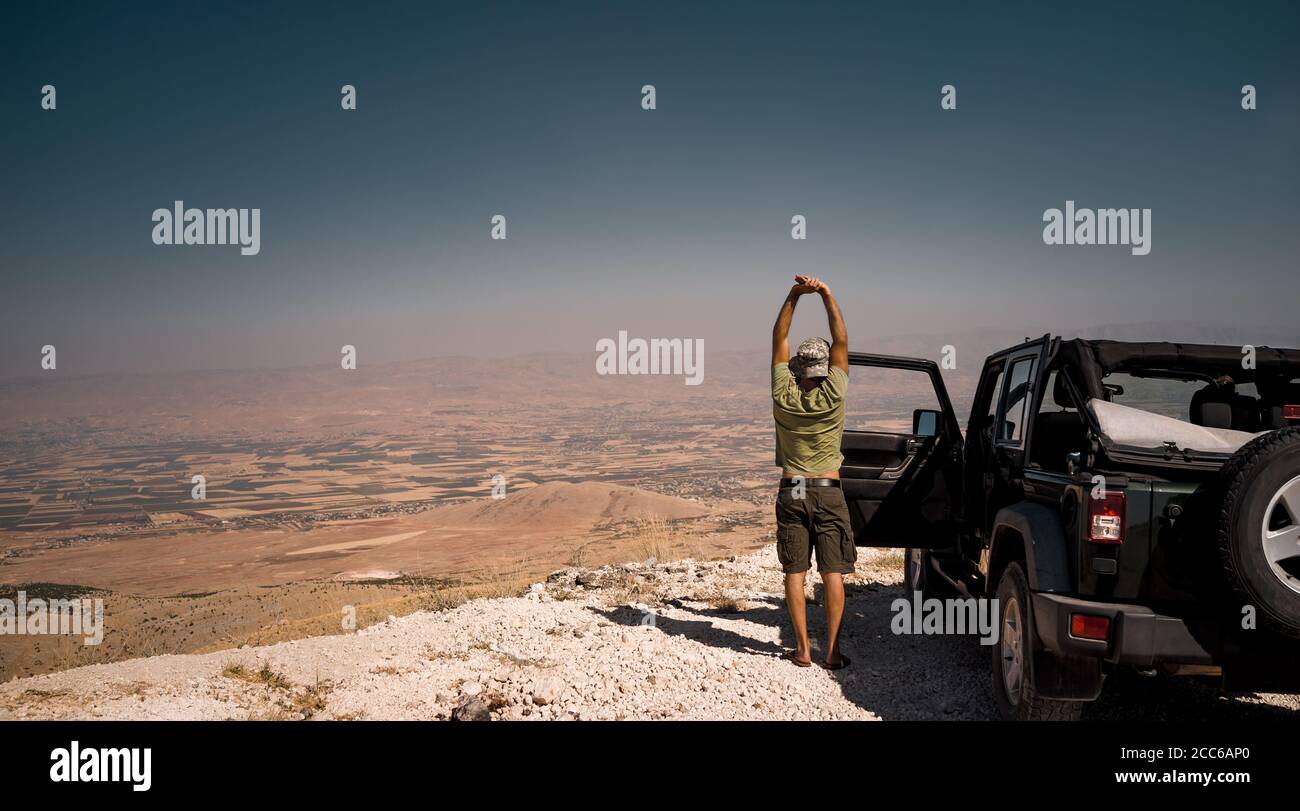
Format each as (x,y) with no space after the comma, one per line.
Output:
(672,222)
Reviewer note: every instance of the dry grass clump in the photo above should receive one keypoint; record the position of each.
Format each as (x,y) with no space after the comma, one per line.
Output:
(307,702)
(290,703)
(263,675)
(654,538)
(726,605)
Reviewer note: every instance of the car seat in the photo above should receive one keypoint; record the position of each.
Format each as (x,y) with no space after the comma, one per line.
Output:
(1242,412)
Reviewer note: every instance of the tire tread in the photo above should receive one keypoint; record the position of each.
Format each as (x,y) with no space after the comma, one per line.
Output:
(1032,706)
(1235,477)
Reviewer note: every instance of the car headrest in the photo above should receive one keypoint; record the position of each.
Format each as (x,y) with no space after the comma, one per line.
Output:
(1243,410)
(1215,415)
(1271,418)
(1210,393)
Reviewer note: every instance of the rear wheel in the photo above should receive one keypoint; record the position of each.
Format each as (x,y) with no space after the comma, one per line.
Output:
(1014,686)
(1259,528)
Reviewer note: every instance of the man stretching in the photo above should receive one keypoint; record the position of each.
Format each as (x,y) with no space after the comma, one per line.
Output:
(808,406)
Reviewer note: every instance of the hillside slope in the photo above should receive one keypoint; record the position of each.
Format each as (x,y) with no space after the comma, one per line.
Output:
(689,640)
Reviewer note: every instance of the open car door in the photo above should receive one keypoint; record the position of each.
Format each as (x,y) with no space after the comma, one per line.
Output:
(902,453)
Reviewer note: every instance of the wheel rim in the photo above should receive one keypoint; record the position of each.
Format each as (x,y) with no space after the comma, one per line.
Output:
(914,569)
(1280,534)
(1012,646)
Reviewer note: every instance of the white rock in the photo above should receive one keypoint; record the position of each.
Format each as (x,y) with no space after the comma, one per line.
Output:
(547,691)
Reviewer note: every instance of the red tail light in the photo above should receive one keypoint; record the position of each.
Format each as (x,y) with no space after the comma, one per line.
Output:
(1086,626)
(1291,412)
(1106,518)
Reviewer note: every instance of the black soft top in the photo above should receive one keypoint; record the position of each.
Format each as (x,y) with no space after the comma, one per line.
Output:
(1092,360)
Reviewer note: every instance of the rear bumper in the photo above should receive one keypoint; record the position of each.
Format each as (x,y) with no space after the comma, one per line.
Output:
(1138,635)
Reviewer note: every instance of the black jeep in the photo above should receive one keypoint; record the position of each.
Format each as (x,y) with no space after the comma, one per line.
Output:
(1128,504)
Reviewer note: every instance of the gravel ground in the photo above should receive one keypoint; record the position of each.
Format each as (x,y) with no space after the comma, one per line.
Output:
(699,640)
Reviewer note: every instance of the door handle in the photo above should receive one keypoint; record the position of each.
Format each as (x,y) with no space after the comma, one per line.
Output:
(891,473)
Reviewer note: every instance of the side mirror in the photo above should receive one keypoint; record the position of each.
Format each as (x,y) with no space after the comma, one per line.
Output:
(925,422)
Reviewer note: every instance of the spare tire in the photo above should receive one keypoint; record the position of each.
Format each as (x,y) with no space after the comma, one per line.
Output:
(1259,527)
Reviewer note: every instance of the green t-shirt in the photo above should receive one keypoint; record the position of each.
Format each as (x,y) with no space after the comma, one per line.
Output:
(809,424)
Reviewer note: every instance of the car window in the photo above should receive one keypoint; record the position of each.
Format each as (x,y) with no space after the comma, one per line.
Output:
(882,399)
(1049,403)
(1059,430)
(993,400)
(1168,398)
(984,406)
(1016,400)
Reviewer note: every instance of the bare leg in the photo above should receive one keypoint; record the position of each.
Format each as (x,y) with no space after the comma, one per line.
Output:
(833,585)
(794,603)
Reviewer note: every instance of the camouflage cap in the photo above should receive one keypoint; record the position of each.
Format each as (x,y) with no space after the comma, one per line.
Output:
(812,359)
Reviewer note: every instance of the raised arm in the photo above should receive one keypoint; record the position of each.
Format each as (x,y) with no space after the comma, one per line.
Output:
(839,334)
(781,330)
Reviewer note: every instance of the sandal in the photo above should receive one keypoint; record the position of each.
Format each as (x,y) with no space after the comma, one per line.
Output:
(790,657)
(844,662)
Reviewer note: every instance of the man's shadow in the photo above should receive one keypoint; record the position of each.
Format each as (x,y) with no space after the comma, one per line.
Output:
(703,630)
(925,677)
